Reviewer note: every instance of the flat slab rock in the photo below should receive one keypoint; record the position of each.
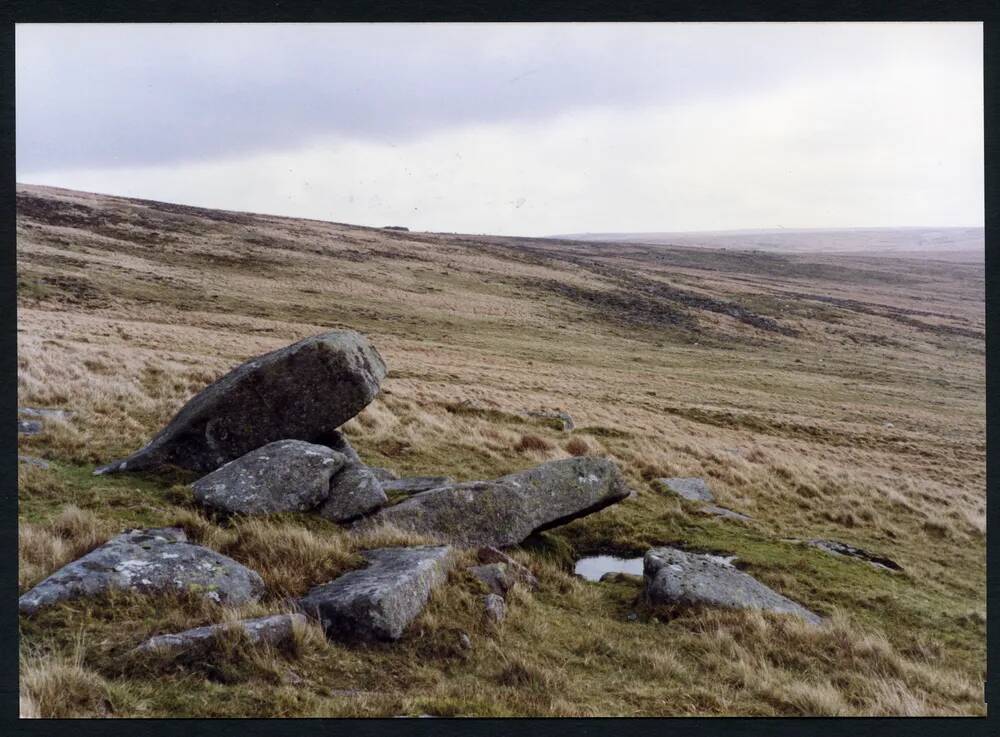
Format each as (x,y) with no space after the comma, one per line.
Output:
(379,601)
(691,488)
(148,561)
(284,476)
(275,630)
(838,548)
(416,484)
(45,413)
(304,391)
(726,513)
(677,577)
(507,510)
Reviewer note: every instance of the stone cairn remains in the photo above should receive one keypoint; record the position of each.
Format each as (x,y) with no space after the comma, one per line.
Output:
(266,437)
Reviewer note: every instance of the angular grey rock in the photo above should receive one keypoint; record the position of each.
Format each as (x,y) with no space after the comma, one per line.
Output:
(148,561)
(275,630)
(32,461)
(384,474)
(284,476)
(304,391)
(496,608)
(501,577)
(563,418)
(843,549)
(676,577)
(692,489)
(354,491)
(416,484)
(378,602)
(494,576)
(507,510)
(727,513)
(339,442)
(520,573)
(28,427)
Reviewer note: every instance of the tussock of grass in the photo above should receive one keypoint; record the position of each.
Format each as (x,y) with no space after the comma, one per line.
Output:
(529,443)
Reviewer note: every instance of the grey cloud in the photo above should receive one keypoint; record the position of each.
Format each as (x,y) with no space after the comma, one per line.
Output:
(138,95)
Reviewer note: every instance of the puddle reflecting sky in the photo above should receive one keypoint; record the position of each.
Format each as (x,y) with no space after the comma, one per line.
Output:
(594,567)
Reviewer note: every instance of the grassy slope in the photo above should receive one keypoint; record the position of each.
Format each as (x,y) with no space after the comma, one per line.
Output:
(827,397)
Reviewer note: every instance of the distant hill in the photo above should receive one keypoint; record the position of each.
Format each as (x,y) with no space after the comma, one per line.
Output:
(953,244)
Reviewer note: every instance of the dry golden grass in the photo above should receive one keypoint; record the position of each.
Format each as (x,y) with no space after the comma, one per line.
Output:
(864,428)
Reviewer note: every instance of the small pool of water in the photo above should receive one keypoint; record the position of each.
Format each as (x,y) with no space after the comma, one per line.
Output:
(595,566)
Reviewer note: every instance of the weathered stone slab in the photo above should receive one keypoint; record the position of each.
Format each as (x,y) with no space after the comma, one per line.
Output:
(378,602)
(727,513)
(148,561)
(284,476)
(304,391)
(676,577)
(692,488)
(45,413)
(849,551)
(276,630)
(507,510)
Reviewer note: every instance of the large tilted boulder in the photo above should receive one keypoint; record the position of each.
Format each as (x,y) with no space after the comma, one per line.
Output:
(507,510)
(148,561)
(689,579)
(284,476)
(378,602)
(276,630)
(354,491)
(304,391)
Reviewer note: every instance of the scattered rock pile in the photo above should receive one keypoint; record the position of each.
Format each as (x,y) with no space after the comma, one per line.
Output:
(266,435)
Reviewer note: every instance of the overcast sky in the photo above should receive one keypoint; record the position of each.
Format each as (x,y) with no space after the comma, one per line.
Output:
(527,129)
